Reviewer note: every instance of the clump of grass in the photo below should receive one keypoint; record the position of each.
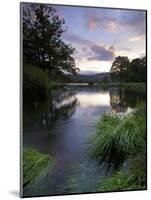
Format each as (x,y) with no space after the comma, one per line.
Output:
(118,140)
(103,143)
(120,181)
(132,178)
(35,164)
(116,137)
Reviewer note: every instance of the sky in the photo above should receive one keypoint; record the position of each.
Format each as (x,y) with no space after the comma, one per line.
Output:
(99,35)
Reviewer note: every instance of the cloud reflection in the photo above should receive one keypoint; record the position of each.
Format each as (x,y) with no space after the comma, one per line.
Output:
(94,99)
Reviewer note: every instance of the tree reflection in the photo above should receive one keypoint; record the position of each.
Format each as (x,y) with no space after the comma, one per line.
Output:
(63,105)
(121,99)
(60,106)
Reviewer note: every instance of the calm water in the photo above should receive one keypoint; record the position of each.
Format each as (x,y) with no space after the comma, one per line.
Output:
(62,127)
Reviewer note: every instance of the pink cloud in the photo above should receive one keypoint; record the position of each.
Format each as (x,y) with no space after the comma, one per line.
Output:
(92,24)
(95,21)
(112,27)
(136,38)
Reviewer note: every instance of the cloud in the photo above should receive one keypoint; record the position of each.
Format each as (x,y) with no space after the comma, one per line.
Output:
(136,38)
(82,45)
(94,20)
(102,53)
(73,38)
(93,66)
(112,48)
(115,20)
(134,20)
(92,25)
(112,27)
(89,49)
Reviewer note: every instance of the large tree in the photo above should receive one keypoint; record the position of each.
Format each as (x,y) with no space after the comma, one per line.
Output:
(120,68)
(43,45)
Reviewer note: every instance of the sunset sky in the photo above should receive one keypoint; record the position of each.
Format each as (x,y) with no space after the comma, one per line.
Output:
(99,35)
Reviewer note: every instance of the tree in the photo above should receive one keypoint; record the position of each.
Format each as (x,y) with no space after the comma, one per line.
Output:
(42,42)
(138,69)
(120,69)
(124,70)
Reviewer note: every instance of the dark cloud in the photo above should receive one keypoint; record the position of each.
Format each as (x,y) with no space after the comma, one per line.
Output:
(101,53)
(112,48)
(91,50)
(82,45)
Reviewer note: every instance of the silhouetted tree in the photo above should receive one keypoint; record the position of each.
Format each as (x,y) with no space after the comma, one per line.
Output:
(120,69)
(42,42)
(125,71)
(138,69)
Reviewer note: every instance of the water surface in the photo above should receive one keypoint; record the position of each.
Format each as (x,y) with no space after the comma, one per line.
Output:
(62,126)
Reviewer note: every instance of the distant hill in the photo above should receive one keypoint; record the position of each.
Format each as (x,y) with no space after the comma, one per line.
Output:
(91,78)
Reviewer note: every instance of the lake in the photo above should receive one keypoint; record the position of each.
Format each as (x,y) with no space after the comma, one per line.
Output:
(62,127)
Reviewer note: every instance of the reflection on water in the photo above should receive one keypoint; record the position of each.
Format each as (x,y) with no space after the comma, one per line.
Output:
(62,104)
(61,127)
(59,105)
(121,99)
(94,99)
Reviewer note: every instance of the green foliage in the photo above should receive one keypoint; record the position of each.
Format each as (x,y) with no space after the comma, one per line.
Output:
(35,164)
(138,70)
(35,83)
(128,85)
(117,137)
(118,182)
(125,71)
(105,141)
(120,69)
(105,79)
(118,140)
(132,178)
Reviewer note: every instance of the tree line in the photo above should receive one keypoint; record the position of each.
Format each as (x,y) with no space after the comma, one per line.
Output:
(124,70)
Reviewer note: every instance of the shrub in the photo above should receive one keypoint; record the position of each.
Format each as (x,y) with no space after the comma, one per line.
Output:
(35,83)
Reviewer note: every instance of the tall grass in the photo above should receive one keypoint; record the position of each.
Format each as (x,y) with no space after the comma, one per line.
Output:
(122,139)
(35,164)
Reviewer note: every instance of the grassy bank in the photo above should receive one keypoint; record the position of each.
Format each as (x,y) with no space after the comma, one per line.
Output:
(54,85)
(122,140)
(131,85)
(35,164)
